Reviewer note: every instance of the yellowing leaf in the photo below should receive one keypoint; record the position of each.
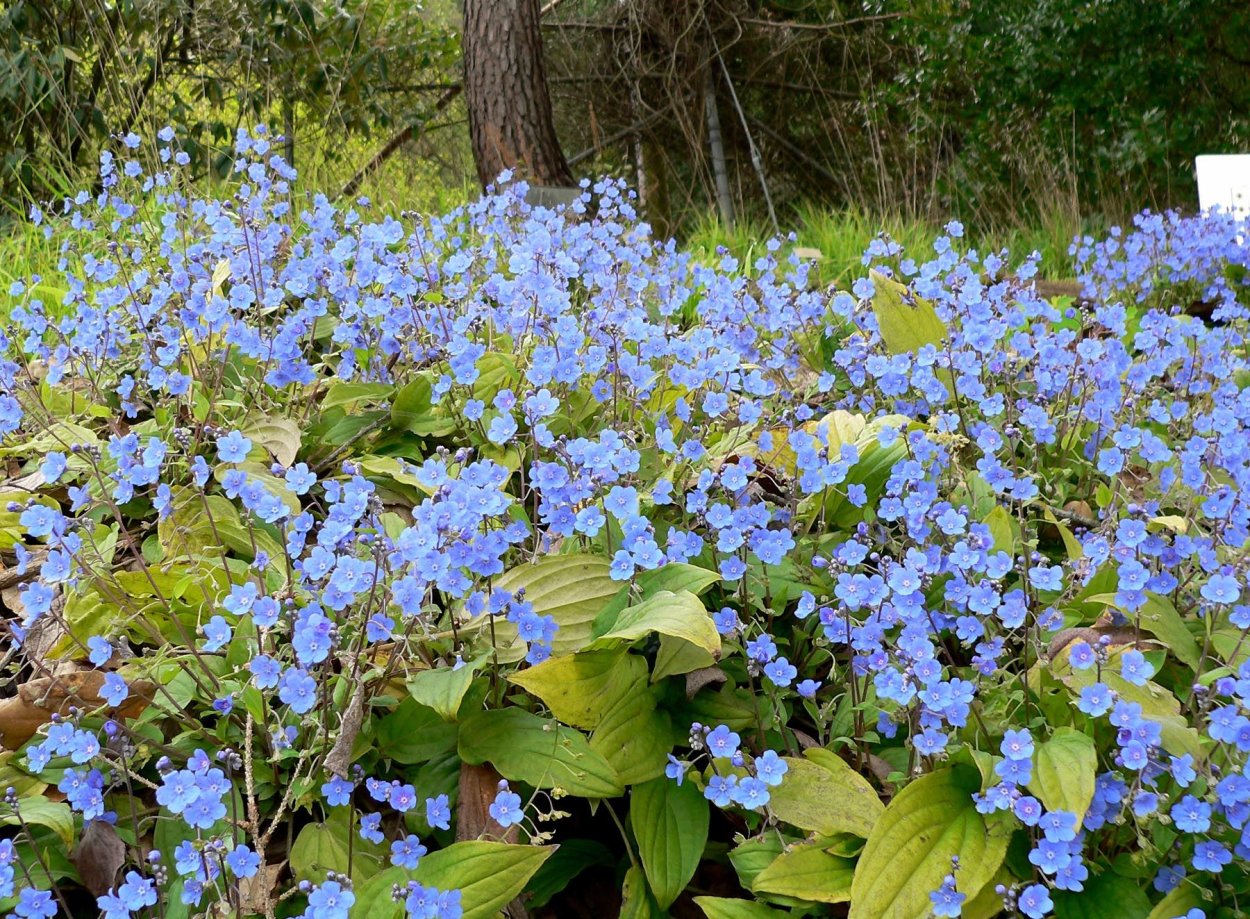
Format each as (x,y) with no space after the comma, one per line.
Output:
(907,322)
(580,688)
(808,873)
(1063,772)
(825,795)
(728,908)
(572,589)
(280,436)
(909,850)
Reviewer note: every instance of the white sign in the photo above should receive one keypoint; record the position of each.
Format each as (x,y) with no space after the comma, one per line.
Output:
(1224,182)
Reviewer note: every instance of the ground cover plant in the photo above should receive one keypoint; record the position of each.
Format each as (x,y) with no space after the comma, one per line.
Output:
(515,561)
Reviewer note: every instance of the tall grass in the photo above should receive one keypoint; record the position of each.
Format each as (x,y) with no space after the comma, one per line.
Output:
(836,240)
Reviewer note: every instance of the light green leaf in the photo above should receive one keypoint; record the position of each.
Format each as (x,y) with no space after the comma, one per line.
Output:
(1063,772)
(909,850)
(489,876)
(670,822)
(634,737)
(636,899)
(907,322)
(537,751)
(823,794)
(322,847)
(677,656)
(752,856)
(681,615)
(1158,704)
(728,908)
(675,577)
(443,688)
(807,873)
(1178,902)
(580,688)
(572,589)
(350,393)
(54,815)
(1003,529)
(280,436)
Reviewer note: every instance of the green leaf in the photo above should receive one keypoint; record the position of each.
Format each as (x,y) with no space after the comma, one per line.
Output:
(414,734)
(674,577)
(413,411)
(342,394)
(907,322)
(909,850)
(635,737)
(728,908)
(1003,529)
(1159,617)
(824,795)
(1178,902)
(670,822)
(1063,772)
(636,899)
(681,615)
(580,688)
(537,751)
(1158,704)
(1107,896)
(677,656)
(807,873)
(322,847)
(752,856)
(489,876)
(443,688)
(54,815)
(280,436)
(571,589)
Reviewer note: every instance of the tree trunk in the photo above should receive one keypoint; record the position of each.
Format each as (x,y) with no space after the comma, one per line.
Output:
(505,88)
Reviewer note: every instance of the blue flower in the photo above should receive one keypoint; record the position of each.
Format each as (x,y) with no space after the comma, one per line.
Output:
(1034,901)
(233,447)
(506,809)
(770,767)
(722,742)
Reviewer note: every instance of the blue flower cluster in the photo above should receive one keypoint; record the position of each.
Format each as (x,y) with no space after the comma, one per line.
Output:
(297,454)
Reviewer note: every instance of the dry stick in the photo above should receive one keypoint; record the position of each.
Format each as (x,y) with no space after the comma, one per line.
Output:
(388,150)
(756,162)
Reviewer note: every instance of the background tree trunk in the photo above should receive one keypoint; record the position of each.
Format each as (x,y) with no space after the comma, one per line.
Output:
(505,88)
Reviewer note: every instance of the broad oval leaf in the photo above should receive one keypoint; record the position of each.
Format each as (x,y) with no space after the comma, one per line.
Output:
(280,436)
(1106,896)
(489,876)
(680,615)
(571,589)
(906,322)
(670,822)
(1063,772)
(825,795)
(807,873)
(580,688)
(909,850)
(537,751)
(443,688)
(635,737)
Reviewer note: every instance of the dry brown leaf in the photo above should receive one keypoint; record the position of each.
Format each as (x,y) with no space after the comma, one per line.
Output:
(98,856)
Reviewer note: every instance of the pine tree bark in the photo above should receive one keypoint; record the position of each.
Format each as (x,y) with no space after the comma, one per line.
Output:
(505,88)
